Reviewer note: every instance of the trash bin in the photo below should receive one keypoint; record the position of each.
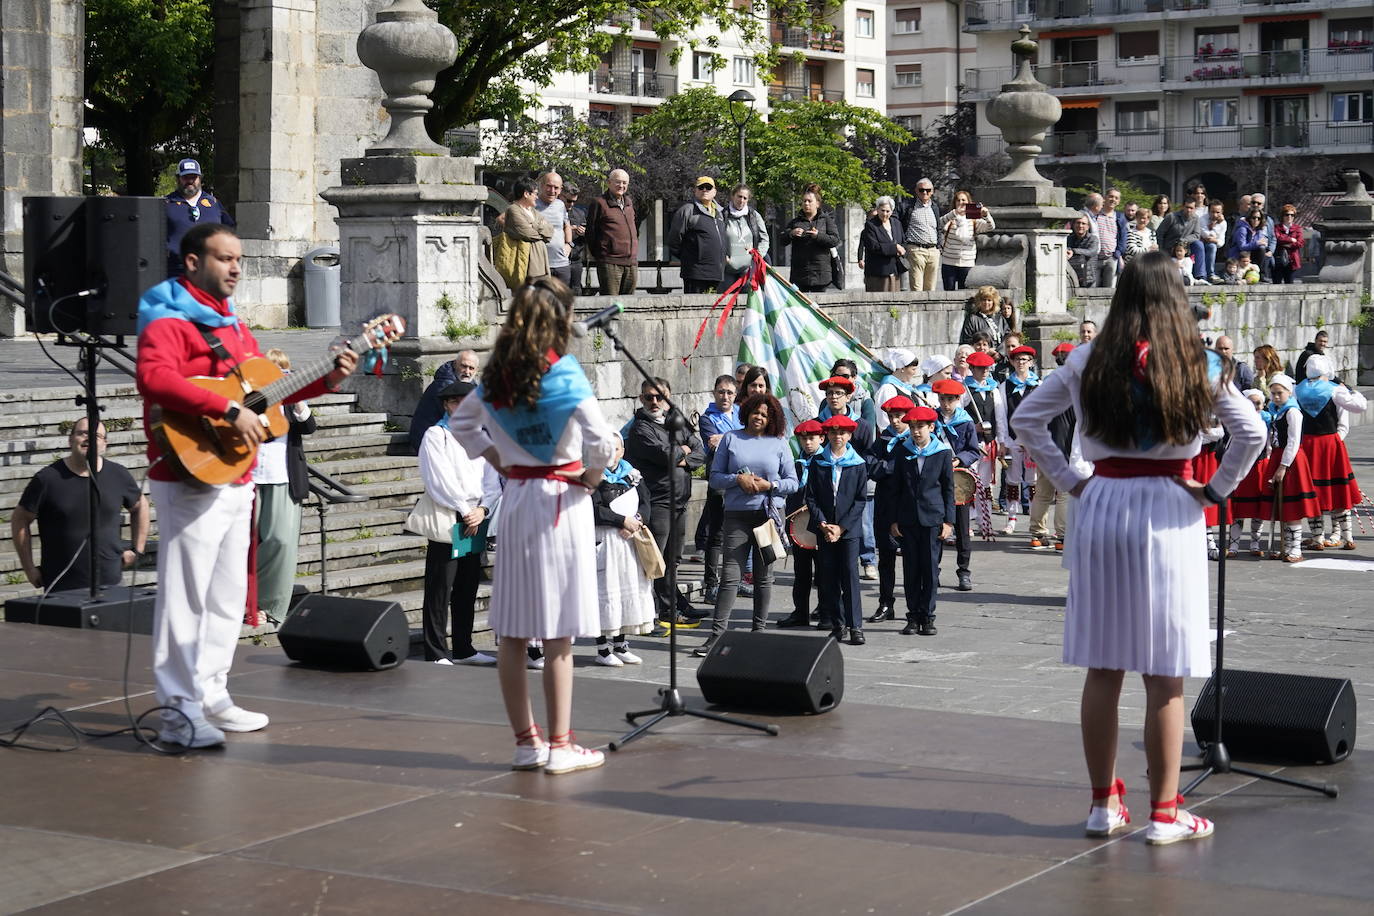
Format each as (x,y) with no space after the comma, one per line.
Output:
(321,267)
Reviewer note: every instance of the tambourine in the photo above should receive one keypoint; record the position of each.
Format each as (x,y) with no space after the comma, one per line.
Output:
(797,529)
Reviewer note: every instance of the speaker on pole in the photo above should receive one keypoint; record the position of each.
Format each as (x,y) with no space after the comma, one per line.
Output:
(773,671)
(55,263)
(1293,717)
(126,253)
(327,631)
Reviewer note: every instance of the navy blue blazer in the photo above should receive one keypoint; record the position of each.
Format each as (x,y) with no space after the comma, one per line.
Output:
(963,438)
(845,507)
(926,495)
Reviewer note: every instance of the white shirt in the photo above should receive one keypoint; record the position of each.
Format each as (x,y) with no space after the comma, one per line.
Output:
(452,478)
(587,437)
(271,466)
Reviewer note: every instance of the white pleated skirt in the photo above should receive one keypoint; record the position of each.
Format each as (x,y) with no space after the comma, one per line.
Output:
(627,595)
(1137,560)
(544,582)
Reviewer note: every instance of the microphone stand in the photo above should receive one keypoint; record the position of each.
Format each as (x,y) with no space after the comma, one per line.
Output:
(672,704)
(1215,758)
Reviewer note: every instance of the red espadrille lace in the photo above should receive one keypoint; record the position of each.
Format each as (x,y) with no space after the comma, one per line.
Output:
(1157,807)
(1180,825)
(528,736)
(1102,820)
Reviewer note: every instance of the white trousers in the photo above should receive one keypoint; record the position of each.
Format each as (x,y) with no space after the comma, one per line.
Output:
(202,583)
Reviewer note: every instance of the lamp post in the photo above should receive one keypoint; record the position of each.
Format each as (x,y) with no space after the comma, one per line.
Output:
(1101,148)
(741,104)
(1268,157)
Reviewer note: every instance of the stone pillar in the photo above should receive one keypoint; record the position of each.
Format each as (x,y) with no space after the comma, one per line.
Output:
(410,215)
(1027,252)
(41,52)
(1347,228)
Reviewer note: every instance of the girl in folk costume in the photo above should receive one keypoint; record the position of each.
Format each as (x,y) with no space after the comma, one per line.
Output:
(1326,407)
(1204,466)
(1251,500)
(984,404)
(1019,472)
(1286,472)
(1144,390)
(810,437)
(901,382)
(620,505)
(885,505)
(536,420)
(836,491)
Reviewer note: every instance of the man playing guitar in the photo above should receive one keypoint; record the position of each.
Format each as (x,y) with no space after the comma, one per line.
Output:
(187,327)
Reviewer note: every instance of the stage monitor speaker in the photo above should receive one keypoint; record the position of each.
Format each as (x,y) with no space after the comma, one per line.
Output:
(1291,717)
(328,631)
(110,609)
(55,263)
(126,253)
(773,671)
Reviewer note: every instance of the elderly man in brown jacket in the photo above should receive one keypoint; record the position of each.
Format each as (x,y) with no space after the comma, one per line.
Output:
(613,236)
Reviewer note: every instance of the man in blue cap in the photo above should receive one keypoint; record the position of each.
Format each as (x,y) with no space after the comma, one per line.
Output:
(188,205)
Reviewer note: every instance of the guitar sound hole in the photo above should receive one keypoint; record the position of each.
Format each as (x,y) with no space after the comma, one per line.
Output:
(255,401)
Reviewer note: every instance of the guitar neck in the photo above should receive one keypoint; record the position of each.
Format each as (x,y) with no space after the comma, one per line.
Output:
(301,378)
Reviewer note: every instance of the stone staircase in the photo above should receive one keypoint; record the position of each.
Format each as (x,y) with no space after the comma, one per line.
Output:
(369,556)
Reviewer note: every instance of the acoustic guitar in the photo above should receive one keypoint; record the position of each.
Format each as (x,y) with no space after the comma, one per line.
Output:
(211,450)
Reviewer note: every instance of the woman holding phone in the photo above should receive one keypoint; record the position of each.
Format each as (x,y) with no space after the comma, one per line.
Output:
(957,247)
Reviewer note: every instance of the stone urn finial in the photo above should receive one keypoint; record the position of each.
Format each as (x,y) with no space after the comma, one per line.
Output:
(1355,192)
(1024,110)
(407,47)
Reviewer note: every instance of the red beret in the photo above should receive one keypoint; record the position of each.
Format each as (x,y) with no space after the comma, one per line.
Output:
(948,386)
(1064,347)
(900,402)
(839,421)
(921,415)
(1023,350)
(981,359)
(846,383)
(808,428)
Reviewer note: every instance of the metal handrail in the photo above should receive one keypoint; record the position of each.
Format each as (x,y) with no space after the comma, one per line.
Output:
(328,492)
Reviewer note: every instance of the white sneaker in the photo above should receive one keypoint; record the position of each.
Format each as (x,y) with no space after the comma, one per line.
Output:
(626,656)
(1010,528)
(1184,826)
(609,659)
(868,572)
(205,734)
(441,661)
(528,757)
(534,664)
(237,719)
(1104,821)
(572,757)
(476,658)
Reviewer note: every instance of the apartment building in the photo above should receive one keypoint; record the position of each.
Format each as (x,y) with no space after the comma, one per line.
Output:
(846,62)
(1161,90)
(927,53)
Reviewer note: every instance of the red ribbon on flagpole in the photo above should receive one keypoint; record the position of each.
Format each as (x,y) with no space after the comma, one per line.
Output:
(753,277)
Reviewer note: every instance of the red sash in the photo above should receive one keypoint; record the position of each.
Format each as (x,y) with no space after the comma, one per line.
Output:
(1143,467)
(547,472)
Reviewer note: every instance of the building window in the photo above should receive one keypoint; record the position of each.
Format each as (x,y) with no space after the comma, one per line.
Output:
(1347,107)
(744,71)
(1350,34)
(703,66)
(1137,45)
(560,114)
(602,116)
(863,23)
(863,84)
(908,21)
(908,75)
(910,122)
(1137,117)
(1216,113)
(1216,41)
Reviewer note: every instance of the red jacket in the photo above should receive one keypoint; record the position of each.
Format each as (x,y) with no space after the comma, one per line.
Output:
(170,350)
(1289,237)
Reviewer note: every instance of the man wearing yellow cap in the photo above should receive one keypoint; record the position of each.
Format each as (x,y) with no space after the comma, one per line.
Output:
(696,239)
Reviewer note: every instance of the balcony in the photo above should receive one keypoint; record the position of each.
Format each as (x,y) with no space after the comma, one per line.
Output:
(984,81)
(793,37)
(641,84)
(804,93)
(1217,142)
(1005,15)
(1354,63)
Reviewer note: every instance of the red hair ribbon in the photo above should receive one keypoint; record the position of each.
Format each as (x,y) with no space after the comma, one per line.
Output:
(1142,352)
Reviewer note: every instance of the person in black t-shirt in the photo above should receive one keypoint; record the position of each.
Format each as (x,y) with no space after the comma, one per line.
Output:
(58,499)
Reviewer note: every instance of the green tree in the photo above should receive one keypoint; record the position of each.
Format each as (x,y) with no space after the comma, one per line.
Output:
(581,153)
(501,45)
(147,76)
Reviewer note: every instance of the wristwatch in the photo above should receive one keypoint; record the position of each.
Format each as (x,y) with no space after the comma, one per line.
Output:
(232,414)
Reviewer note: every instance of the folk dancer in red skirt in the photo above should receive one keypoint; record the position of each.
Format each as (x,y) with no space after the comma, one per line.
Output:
(1286,472)
(1204,466)
(1144,390)
(1326,407)
(1247,503)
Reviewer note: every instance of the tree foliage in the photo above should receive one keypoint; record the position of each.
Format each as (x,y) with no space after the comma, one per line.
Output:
(147,78)
(501,45)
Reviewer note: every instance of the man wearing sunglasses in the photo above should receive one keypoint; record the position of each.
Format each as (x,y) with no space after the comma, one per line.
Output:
(188,205)
(697,239)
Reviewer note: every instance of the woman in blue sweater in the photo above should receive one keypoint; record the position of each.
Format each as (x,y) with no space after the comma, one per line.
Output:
(752,466)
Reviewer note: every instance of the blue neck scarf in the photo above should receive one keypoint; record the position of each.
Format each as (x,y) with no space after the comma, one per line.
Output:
(933,447)
(903,387)
(826,458)
(169,299)
(1278,410)
(987,384)
(1313,395)
(960,416)
(804,468)
(538,429)
(1020,385)
(619,474)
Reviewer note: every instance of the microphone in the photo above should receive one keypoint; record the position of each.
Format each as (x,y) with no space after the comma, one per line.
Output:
(599,320)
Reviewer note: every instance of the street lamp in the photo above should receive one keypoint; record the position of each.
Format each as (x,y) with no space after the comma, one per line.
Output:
(739,116)
(1102,149)
(1268,156)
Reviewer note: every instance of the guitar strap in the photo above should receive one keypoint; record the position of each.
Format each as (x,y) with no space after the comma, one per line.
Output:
(217,349)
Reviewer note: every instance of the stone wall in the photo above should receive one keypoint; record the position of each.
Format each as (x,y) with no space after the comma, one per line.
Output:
(41,49)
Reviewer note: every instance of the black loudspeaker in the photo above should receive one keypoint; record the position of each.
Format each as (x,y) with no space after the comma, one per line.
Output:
(1292,717)
(327,631)
(126,253)
(55,263)
(110,609)
(773,671)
